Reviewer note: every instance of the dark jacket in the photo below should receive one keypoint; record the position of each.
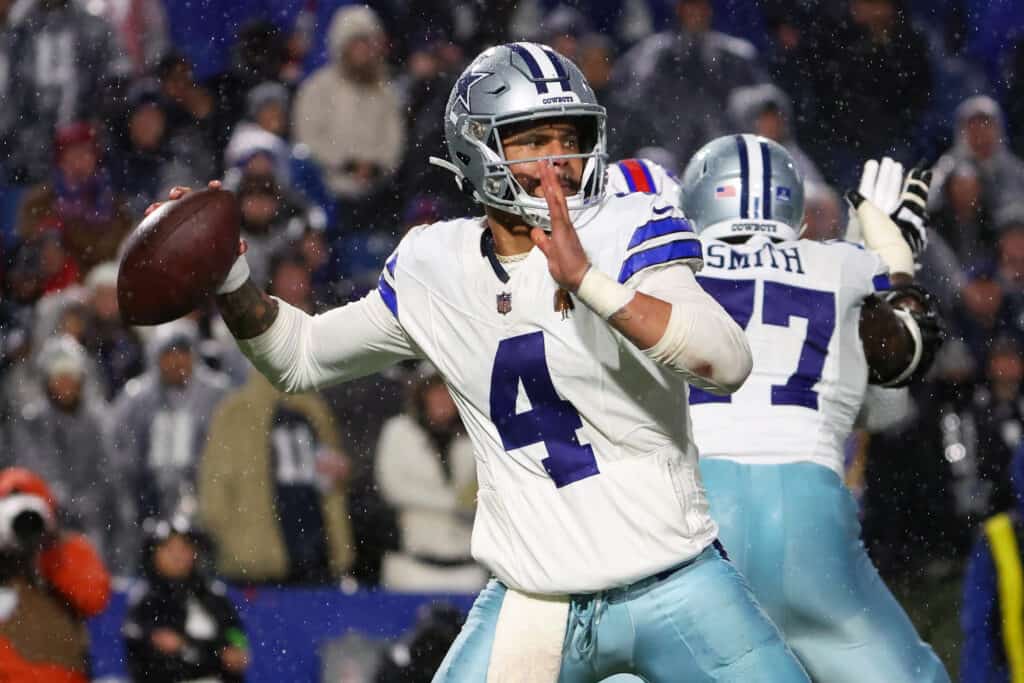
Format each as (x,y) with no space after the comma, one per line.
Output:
(198,610)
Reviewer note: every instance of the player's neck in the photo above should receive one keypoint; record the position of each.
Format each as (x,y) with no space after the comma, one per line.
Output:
(511,234)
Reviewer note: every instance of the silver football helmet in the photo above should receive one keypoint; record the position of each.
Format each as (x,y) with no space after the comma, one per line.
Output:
(510,84)
(743,185)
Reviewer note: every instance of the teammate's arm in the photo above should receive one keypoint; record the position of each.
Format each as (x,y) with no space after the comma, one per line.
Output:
(689,333)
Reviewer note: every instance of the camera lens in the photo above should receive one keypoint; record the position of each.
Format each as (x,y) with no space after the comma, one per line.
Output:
(28,528)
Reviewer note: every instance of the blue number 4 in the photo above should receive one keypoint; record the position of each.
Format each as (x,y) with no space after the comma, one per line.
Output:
(551,419)
(781,303)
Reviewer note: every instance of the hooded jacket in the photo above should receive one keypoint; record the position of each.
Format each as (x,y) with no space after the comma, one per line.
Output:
(65,447)
(341,120)
(647,105)
(1002,174)
(155,434)
(747,103)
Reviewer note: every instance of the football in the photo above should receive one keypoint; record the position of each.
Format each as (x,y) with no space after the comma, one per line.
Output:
(177,256)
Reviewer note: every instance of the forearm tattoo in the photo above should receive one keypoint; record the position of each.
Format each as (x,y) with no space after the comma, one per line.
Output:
(248,311)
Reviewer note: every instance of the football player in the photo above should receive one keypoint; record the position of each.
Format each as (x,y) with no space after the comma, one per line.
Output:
(824,319)
(567,325)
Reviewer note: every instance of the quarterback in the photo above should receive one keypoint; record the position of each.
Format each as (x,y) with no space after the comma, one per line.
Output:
(567,325)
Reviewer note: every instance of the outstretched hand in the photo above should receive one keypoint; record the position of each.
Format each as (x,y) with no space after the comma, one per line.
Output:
(179,191)
(567,262)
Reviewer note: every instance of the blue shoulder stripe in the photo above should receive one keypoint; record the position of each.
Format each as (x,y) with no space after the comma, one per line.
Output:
(881,283)
(673,251)
(659,228)
(387,292)
(391,264)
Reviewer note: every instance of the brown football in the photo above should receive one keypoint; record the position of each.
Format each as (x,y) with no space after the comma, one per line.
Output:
(177,257)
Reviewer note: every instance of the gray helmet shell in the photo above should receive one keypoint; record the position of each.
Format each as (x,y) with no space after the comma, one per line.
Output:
(510,84)
(743,185)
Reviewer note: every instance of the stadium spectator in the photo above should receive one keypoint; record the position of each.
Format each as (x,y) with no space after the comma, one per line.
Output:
(265,128)
(351,120)
(993,649)
(61,59)
(416,657)
(561,29)
(115,346)
(711,64)
(272,488)
(61,438)
(156,431)
(871,76)
(434,64)
(52,581)
(8,115)
(823,213)
(767,111)
(596,59)
(79,201)
(979,177)
(259,56)
(146,157)
(140,27)
(427,472)
(189,107)
(272,219)
(180,625)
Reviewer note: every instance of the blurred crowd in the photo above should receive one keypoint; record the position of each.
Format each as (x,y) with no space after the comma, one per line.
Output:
(320,115)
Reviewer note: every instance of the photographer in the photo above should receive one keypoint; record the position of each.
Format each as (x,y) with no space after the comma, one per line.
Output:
(52,582)
(181,626)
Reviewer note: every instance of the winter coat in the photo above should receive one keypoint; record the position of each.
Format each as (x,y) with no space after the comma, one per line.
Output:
(196,609)
(1001,175)
(82,54)
(43,636)
(66,449)
(650,107)
(435,504)
(155,434)
(237,499)
(342,121)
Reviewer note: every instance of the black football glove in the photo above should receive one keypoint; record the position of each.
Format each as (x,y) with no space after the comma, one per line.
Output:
(910,215)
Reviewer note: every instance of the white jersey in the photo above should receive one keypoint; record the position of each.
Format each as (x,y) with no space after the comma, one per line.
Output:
(800,304)
(585,462)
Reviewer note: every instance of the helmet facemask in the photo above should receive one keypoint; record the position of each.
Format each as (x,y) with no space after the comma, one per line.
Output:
(500,189)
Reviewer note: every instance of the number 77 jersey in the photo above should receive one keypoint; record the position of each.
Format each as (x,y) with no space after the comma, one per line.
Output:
(800,304)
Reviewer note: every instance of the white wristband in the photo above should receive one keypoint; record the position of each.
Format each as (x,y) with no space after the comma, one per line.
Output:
(603,295)
(236,277)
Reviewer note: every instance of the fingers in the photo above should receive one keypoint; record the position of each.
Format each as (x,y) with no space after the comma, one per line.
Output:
(889,185)
(178,191)
(868,177)
(243,247)
(557,207)
(152,207)
(213,184)
(540,239)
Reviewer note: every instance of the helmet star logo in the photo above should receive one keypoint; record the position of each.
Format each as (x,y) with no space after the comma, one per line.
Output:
(466,82)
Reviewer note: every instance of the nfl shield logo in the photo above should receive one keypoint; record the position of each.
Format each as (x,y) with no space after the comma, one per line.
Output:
(505,303)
